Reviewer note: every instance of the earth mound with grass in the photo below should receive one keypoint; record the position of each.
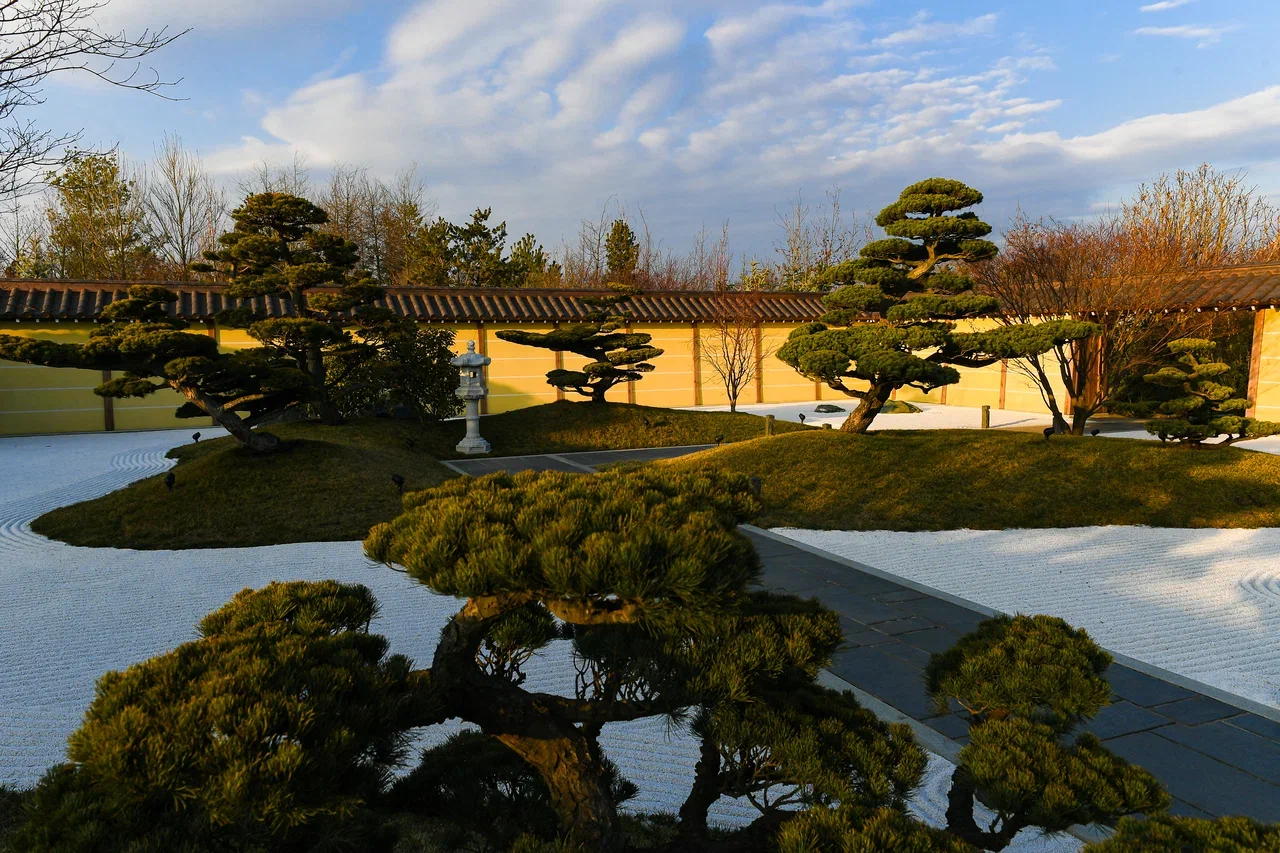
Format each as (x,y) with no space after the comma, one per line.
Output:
(995,479)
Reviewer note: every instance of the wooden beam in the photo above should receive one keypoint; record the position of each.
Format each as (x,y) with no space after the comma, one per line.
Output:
(1255,359)
(482,347)
(559,366)
(943,395)
(697,365)
(108,407)
(631,385)
(1004,379)
(759,341)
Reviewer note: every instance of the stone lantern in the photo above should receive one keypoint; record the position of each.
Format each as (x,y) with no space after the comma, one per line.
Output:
(471,390)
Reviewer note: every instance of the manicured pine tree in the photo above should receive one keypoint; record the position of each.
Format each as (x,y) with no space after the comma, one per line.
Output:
(277,250)
(613,356)
(1026,684)
(152,351)
(896,305)
(1169,834)
(1206,408)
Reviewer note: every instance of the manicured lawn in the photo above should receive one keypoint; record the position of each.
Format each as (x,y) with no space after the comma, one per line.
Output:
(994,479)
(334,483)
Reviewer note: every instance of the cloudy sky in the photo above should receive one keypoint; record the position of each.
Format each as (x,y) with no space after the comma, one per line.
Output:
(700,111)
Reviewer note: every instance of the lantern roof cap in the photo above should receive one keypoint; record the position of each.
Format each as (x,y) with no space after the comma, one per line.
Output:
(470,358)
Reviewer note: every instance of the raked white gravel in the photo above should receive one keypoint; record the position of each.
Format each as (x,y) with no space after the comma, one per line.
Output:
(70,614)
(1204,604)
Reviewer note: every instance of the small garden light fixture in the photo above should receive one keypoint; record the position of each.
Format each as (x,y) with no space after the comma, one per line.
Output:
(169,480)
(398,479)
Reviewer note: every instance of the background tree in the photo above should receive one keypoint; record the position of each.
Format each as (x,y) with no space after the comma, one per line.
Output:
(734,348)
(1119,271)
(622,252)
(141,341)
(47,38)
(185,208)
(1204,408)
(613,356)
(409,372)
(898,299)
(814,240)
(276,249)
(98,223)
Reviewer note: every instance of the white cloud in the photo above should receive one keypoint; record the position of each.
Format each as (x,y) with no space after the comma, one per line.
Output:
(569,102)
(925,30)
(1164,5)
(1203,33)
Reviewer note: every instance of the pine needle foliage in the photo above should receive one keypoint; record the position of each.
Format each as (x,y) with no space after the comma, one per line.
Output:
(890,322)
(613,356)
(1169,834)
(1206,408)
(850,830)
(1026,683)
(275,730)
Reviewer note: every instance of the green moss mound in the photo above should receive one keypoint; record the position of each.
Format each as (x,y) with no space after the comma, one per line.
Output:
(995,479)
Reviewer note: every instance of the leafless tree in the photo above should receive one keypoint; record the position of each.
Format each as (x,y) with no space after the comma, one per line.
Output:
(42,38)
(814,239)
(184,205)
(733,346)
(293,178)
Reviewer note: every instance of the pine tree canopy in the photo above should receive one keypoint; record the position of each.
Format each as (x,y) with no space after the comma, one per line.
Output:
(614,357)
(894,307)
(1170,834)
(153,351)
(1206,409)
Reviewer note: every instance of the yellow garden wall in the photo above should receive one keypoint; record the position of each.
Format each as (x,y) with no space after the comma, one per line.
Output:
(47,400)
(1265,387)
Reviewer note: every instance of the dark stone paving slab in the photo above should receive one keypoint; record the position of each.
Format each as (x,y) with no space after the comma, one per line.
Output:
(860,608)
(905,626)
(886,677)
(1195,778)
(1196,710)
(951,725)
(513,464)
(1251,753)
(1269,729)
(593,458)
(1142,689)
(932,640)
(1124,718)
(902,651)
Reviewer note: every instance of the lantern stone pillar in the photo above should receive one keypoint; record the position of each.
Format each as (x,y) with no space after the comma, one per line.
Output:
(471,390)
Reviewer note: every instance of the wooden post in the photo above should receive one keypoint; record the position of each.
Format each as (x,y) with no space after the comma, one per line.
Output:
(759,364)
(817,390)
(482,347)
(697,365)
(986,417)
(1004,379)
(559,365)
(768,424)
(1255,359)
(211,328)
(108,407)
(943,395)
(631,385)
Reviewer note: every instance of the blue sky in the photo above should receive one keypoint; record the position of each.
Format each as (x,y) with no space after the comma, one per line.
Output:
(699,111)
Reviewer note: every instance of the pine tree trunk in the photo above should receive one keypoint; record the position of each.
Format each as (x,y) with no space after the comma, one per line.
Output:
(703,795)
(328,412)
(960,820)
(574,779)
(869,406)
(258,442)
(598,392)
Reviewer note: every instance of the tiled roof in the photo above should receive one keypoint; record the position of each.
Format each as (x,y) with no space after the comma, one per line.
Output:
(1244,286)
(83,300)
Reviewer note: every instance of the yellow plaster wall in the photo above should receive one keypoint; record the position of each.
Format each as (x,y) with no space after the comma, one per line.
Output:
(671,382)
(781,383)
(1267,399)
(518,376)
(48,399)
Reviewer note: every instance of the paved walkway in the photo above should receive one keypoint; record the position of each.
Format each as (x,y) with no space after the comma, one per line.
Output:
(1215,757)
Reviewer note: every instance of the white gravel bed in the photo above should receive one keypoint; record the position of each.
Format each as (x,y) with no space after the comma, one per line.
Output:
(1204,604)
(70,614)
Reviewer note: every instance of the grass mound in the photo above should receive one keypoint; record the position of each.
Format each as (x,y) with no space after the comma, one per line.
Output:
(994,479)
(332,484)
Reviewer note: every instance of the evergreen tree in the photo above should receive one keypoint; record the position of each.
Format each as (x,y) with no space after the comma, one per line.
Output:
(1026,683)
(152,351)
(410,372)
(276,250)
(477,250)
(531,266)
(1169,834)
(622,252)
(276,730)
(1206,408)
(896,305)
(613,356)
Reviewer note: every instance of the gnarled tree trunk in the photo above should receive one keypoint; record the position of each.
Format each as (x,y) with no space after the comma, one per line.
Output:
(258,442)
(869,406)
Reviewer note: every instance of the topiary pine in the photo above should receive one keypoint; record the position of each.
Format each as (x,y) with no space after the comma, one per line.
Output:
(613,356)
(275,730)
(1169,834)
(1207,409)
(1026,682)
(276,250)
(153,351)
(901,297)
(854,830)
